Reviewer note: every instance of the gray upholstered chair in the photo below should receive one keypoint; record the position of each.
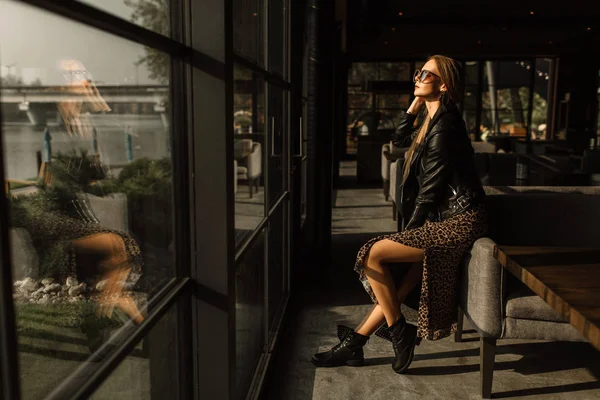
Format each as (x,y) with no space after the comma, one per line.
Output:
(386,164)
(394,168)
(385,170)
(496,304)
(235,176)
(483,147)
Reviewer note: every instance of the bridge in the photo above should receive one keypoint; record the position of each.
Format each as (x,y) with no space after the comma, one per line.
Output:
(36,101)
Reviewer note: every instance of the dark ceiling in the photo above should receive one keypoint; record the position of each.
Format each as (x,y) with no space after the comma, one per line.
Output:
(392,29)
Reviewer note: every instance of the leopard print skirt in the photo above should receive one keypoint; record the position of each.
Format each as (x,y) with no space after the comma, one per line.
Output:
(445,244)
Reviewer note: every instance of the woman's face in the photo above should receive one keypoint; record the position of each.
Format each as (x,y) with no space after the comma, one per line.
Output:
(428,83)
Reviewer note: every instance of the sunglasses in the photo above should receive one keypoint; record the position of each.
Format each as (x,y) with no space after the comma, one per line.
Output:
(424,76)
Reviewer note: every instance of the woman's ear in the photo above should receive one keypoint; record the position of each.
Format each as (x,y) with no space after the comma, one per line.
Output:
(443,88)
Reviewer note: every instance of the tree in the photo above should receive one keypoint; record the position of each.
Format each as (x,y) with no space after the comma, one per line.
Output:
(11,80)
(153,15)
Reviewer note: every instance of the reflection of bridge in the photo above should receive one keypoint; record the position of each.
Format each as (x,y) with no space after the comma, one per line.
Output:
(36,101)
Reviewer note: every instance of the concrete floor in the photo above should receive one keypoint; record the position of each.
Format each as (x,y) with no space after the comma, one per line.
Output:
(442,369)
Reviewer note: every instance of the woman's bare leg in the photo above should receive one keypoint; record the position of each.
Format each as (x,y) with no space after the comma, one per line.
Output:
(379,275)
(375,318)
(115,269)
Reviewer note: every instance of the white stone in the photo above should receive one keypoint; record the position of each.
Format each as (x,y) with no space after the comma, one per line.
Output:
(77,290)
(28,285)
(100,286)
(71,281)
(55,287)
(25,260)
(47,281)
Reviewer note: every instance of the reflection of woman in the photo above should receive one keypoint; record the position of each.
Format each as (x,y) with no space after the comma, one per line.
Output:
(81,95)
(63,239)
(64,233)
(442,200)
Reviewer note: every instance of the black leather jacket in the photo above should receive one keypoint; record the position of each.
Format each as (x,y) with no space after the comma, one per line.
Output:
(443,180)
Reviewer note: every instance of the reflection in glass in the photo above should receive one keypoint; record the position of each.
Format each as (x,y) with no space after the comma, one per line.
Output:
(396,71)
(249,18)
(88,178)
(360,73)
(151,14)
(275,153)
(250,313)
(248,151)
(277,36)
(277,273)
(541,89)
(151,369)
(505,97)
(393,101)
(358,99)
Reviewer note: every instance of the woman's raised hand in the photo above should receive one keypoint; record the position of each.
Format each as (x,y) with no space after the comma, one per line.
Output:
(416,105)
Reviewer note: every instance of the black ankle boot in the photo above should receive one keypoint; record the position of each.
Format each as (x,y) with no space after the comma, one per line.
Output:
(403,337)
(348,352)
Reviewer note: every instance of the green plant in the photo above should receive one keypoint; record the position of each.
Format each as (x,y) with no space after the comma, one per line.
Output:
(145,177)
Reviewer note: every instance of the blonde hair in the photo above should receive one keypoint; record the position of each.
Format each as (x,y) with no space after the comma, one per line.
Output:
(449,75)
(411,150)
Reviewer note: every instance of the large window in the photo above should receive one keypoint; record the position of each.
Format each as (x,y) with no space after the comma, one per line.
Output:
(261,149)
(507,98)
(93,192)
(373,103)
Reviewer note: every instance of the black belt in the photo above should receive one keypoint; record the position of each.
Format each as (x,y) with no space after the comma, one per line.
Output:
(461,204)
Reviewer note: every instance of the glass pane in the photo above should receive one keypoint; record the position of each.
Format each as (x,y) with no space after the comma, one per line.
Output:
(151,14)
(151,370)
(87,158)
(390,119)
(275,153)
(507,73)
(360,73)
(250,313)
(471,72)
(277,36)
(355,124)
(249,19)
(505,97)
(248,151)
(357,99)
(470,117)
(470,97)
(395,72)
(393,101)
(542,86)
(277,265)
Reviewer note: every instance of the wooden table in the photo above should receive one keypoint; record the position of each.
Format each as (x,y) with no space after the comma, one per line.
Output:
(568,279)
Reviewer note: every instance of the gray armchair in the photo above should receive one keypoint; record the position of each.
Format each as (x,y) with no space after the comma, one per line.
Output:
(386,164)
(496,304)
(394,168)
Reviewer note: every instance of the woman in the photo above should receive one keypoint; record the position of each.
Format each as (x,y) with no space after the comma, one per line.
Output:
(442,200)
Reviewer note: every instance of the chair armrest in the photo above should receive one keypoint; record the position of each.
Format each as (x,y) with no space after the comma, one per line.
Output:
(393,167)
(385,163)
(482,289)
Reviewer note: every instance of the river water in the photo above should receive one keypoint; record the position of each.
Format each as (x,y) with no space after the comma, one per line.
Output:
(149,138)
